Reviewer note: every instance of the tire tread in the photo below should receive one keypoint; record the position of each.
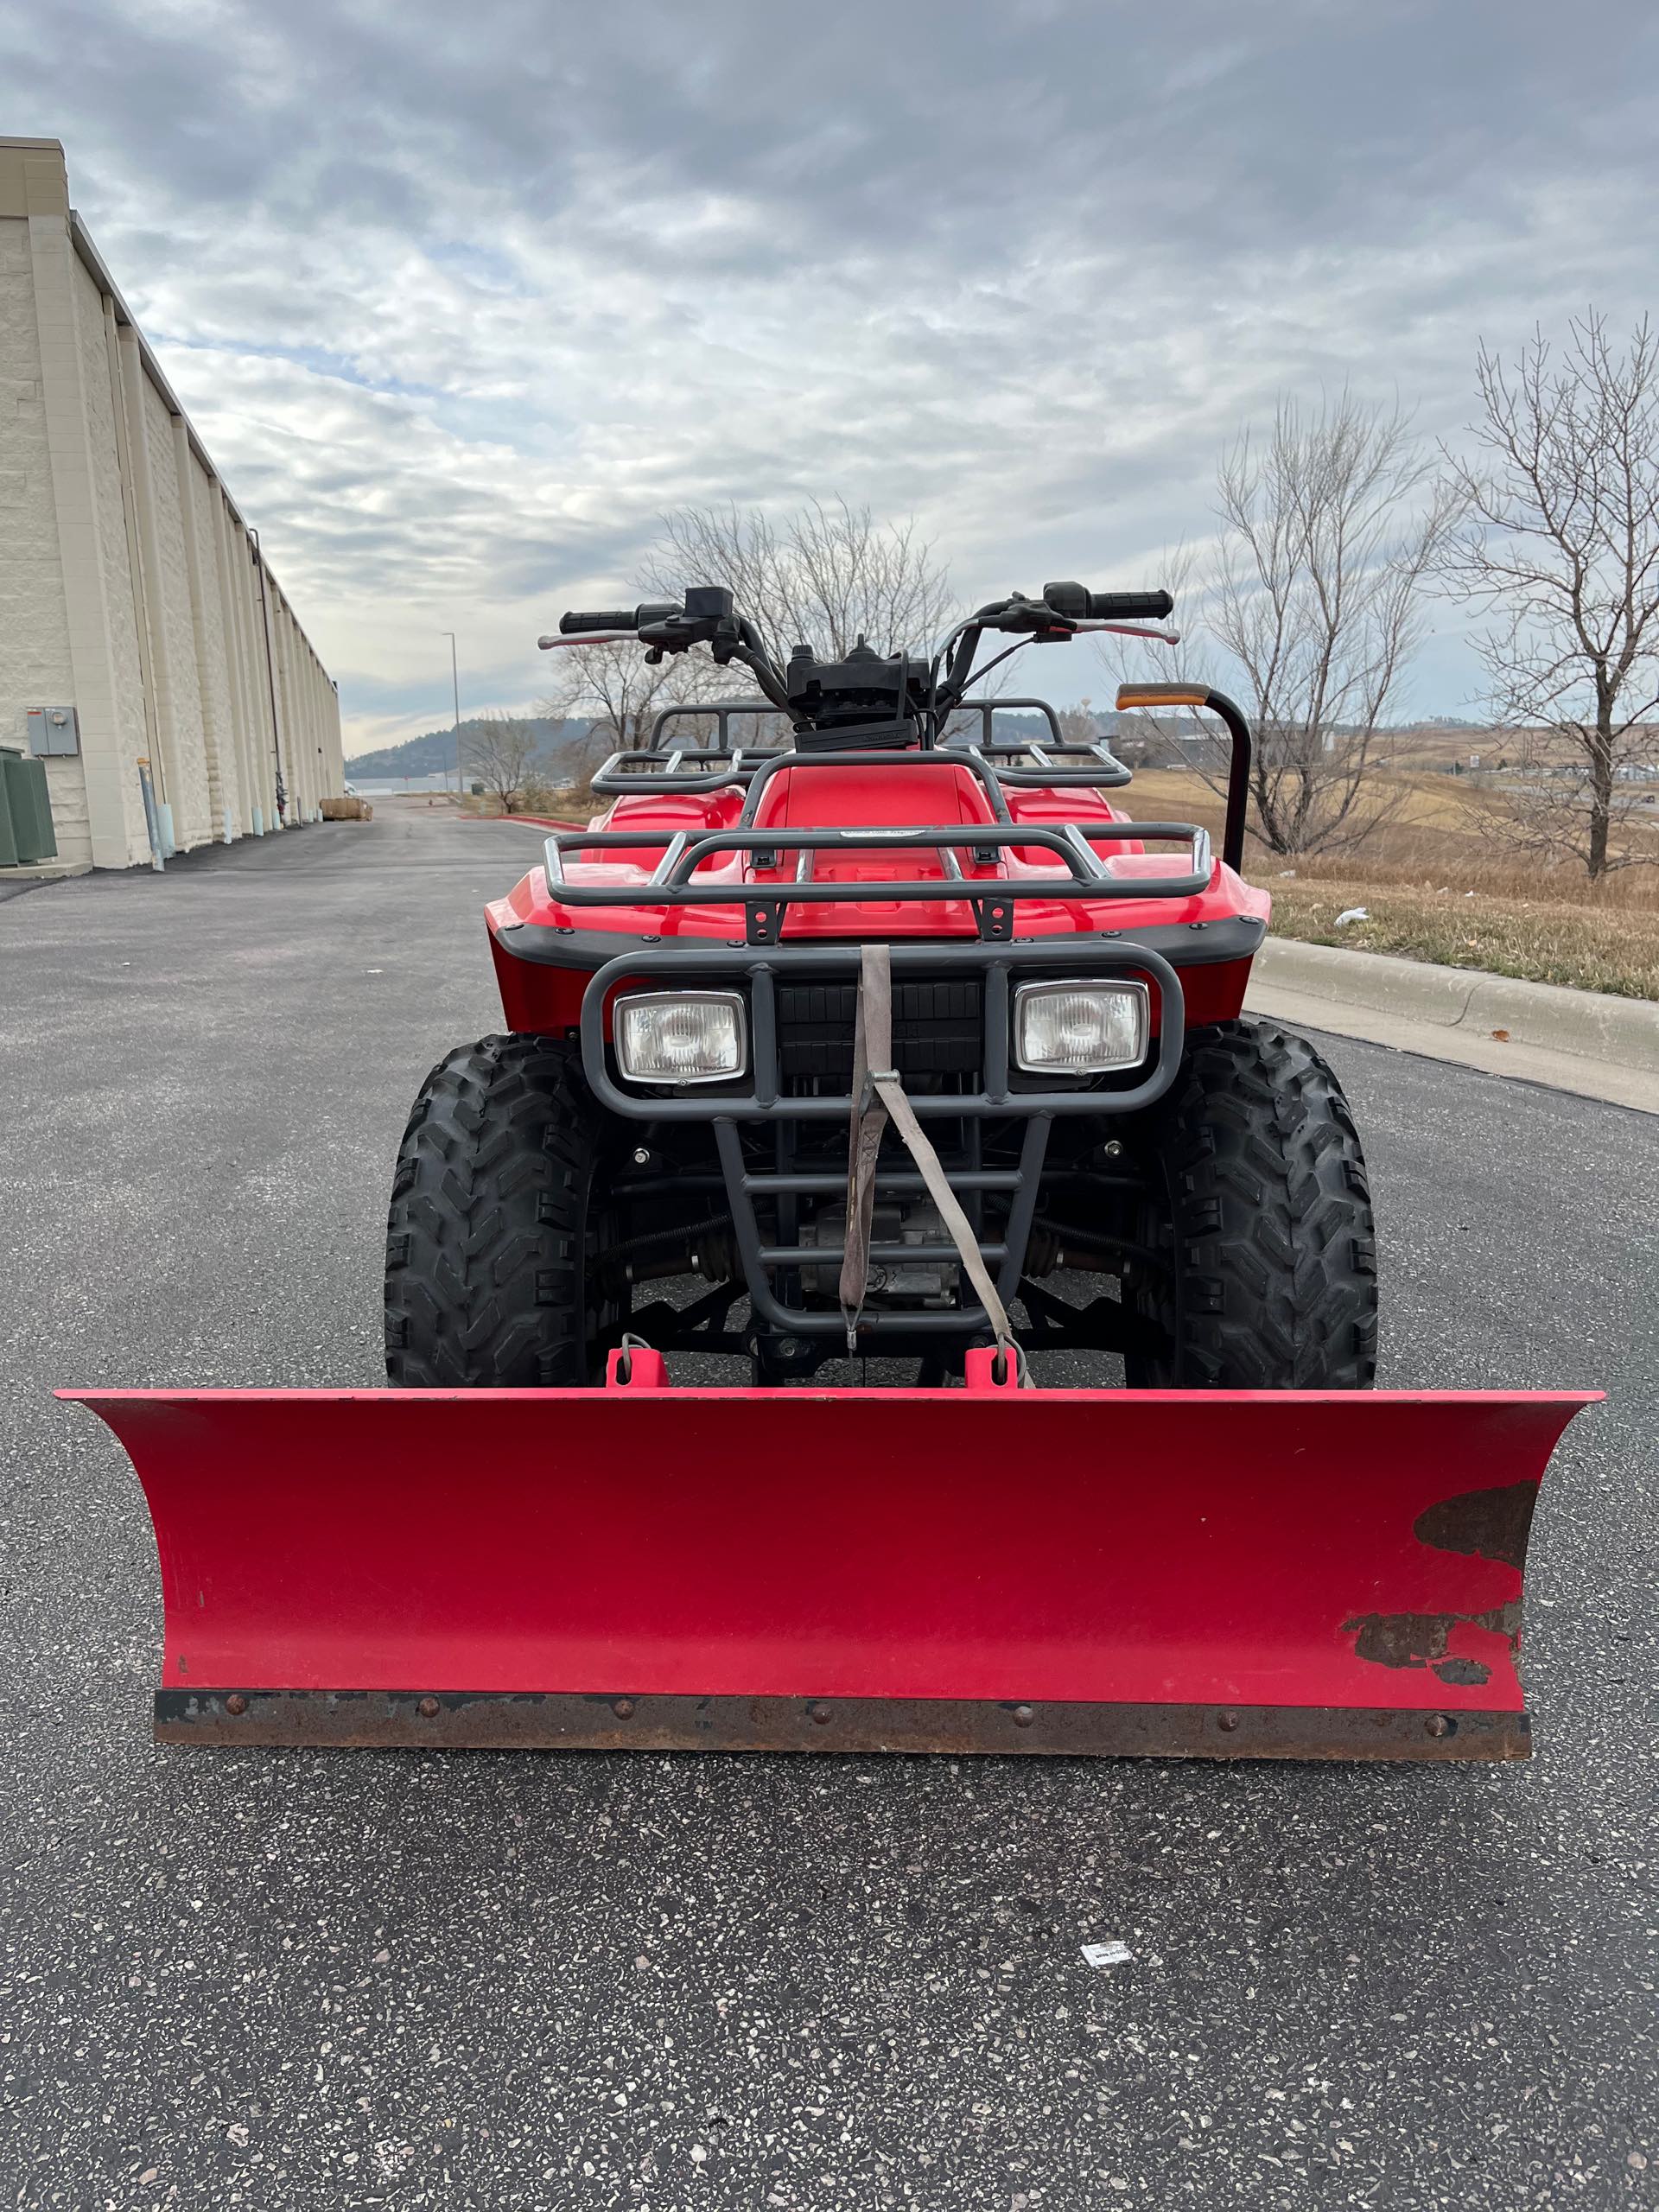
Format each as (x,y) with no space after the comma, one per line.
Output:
(1268,1221)
(487,1227)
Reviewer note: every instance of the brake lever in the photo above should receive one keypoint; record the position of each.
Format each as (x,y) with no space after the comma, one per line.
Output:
(1058,628)
(1130,630)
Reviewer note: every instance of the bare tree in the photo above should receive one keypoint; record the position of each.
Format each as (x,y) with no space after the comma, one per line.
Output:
(503,752)
(827,574)
(619,693)
(1561,547)
(1148,736)
(831,573)
(1329,528)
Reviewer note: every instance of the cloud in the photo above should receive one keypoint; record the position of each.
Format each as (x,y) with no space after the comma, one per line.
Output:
(461,300)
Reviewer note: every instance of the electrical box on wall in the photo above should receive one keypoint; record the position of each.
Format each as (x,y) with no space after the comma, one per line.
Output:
(53,731)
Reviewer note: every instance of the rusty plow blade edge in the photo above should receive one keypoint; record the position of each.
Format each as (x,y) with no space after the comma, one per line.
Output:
(1271,1574)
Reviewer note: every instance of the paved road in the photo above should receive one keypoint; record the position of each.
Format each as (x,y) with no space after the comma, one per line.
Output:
(286,1980)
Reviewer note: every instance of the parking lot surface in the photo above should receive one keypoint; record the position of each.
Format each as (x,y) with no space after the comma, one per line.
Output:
(288,1980)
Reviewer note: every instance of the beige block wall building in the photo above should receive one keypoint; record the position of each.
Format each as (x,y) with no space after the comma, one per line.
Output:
(132,590)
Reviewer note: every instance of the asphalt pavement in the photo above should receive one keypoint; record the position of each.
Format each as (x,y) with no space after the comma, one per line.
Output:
(290,1980)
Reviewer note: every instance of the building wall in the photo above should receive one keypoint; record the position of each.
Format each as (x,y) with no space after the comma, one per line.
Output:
(96,339)
(35,660)
(212,652)
(131,587)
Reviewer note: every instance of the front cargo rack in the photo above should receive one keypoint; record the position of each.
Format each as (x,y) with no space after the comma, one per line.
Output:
(991,899)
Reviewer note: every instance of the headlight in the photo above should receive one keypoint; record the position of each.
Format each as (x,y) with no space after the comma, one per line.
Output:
(1080,1028)
(669,1037)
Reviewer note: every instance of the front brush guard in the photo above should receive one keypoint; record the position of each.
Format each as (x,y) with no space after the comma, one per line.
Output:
(1002,1094)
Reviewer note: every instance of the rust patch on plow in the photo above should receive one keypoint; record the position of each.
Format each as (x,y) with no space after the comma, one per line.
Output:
(1491,1524)
(1481,1523)
(1423,1640)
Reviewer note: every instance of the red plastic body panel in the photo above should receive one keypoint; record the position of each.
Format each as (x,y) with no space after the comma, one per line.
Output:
(924,792)
(1275,1550)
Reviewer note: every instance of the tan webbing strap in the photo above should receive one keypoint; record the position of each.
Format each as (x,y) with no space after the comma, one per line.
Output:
(877,1094)
(872,1036)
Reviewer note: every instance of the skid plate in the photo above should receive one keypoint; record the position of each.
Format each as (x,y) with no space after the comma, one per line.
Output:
(1291,1575)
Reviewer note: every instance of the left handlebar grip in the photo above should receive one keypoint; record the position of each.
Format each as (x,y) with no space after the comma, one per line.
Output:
(1077,604)
(1130,606)
(573,623)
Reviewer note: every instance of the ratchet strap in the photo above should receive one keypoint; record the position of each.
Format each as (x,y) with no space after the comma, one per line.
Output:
(877,1096)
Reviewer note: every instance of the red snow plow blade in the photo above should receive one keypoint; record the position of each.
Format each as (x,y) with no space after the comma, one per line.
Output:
(1278,1574)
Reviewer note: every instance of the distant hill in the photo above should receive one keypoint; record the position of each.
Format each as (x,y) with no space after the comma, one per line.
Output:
(431,753)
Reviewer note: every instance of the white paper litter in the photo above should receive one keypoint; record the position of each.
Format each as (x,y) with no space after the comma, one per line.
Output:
(1107,1955)
(1352,914)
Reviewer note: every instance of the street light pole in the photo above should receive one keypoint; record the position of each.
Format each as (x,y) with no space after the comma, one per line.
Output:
(455,678)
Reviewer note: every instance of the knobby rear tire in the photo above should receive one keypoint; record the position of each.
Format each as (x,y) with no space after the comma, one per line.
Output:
(1261,1215)
(496,1208)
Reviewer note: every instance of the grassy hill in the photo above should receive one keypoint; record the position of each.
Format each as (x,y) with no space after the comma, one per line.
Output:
(433,751)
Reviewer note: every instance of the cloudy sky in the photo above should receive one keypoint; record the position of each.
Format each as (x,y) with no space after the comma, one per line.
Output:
(462,297)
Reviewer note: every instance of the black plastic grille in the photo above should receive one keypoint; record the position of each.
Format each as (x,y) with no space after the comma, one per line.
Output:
(937,1028)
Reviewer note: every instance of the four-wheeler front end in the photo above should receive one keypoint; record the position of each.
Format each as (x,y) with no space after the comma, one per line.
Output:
(874,1027)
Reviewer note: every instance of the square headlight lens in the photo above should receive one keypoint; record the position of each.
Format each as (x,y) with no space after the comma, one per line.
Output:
(1080,1028)
(671,1036)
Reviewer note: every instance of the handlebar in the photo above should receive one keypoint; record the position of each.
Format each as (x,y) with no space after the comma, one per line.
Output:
(707,616)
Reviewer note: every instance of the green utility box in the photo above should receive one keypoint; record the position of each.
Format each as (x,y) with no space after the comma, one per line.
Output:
(26,833)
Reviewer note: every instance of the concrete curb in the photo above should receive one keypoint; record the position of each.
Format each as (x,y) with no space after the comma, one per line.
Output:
(532,821)
(1587,1042)
(24,873)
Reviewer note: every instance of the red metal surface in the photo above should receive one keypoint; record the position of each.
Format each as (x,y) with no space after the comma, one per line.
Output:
(1272,1549)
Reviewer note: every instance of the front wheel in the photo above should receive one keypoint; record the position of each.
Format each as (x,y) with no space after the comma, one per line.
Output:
(499,1211)
(1261,1271)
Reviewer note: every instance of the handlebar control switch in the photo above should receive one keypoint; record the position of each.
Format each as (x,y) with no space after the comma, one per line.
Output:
(1070,600)
(707,603)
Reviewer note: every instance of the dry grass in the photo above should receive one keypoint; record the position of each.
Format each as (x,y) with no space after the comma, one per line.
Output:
(1435,838)
(1414,875)
(1545,941)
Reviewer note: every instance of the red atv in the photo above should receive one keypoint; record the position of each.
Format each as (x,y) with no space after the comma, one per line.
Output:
(1058,992)
(720,997)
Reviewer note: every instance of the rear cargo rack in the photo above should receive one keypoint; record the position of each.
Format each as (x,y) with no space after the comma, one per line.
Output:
(1031,763)
(1026,762)
(663,767)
